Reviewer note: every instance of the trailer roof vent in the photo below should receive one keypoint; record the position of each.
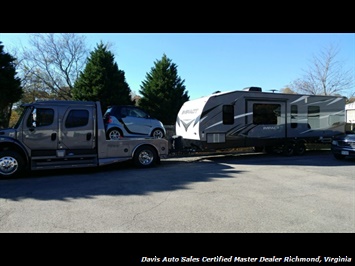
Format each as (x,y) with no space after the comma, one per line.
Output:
(252,89)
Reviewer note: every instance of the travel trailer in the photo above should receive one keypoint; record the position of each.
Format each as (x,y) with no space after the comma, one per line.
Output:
(263,120)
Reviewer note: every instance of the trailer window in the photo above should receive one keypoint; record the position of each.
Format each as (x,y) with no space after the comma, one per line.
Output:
(266,113)
(313,116)
(294,116)
(77,118)
(337,119)
(228,114)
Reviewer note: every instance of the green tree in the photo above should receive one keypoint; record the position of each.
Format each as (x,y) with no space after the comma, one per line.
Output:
(102,80)
(10,86)
(163,91)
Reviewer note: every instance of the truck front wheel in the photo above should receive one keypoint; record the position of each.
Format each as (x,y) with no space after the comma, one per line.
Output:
(145,156)
(11,164)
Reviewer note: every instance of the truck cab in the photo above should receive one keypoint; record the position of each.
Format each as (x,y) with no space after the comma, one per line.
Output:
(68,134)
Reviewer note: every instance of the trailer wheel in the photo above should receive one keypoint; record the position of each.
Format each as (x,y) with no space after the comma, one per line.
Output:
(300,148)
(11,164)
(145,156)
(288,149)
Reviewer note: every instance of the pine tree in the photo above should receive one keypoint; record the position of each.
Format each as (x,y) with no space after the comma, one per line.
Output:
(10,86)
(102,81)
(163,91)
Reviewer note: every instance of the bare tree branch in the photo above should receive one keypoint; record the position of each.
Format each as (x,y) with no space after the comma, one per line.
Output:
(325,75)
(56,60)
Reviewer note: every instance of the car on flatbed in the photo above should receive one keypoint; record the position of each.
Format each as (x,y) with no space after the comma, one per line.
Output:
(131,121)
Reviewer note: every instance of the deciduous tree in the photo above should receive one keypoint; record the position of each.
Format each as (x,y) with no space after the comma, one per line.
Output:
(326,75)
(53,62)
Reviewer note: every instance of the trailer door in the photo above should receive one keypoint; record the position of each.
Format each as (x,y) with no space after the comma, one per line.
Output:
(268,119)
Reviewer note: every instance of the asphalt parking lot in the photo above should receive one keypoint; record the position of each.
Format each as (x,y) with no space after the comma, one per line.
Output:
(226,193)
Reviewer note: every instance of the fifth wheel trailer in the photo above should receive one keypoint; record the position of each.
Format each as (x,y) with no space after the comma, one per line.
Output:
(263,120)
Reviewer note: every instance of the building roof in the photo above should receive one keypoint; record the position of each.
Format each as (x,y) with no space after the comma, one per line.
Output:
(350,106)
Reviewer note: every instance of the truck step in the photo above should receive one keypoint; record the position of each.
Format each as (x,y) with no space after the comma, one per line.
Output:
(37,164)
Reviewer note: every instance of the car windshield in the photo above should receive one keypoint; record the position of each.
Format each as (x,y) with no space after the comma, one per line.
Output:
(108,111)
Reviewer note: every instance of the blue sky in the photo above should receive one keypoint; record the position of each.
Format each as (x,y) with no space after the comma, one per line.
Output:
(208,62)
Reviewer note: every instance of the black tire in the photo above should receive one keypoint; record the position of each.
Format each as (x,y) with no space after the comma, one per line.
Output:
(300,149)
(11,164)
(114,134)
(288,149)
(145,156)
(158,134)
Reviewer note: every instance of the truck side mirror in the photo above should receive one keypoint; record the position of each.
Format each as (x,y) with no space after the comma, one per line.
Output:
(33,118)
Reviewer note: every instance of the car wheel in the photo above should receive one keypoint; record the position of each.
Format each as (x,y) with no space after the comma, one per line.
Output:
(145,156)
(114,134)
(158,134)
(11,164)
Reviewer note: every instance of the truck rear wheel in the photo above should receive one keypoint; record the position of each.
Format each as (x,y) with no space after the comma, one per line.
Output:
(145,156)
(11,164)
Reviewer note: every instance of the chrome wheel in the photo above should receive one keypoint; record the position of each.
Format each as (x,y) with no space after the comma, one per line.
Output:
(114,134)
(145,156)
(8,165)
(158,134)
(12,164)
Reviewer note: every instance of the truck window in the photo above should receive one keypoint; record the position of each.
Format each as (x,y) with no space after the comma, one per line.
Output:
(77,118)
(228,114)
(266,114)
(40,117)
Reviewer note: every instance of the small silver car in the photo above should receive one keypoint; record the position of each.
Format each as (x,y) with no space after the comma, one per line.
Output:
(131,121)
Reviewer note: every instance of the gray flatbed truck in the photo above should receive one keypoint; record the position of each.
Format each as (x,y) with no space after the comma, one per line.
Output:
(69,134)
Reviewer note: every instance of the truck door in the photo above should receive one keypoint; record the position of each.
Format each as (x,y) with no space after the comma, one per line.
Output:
(77,128)
(40,128)
(268,119)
